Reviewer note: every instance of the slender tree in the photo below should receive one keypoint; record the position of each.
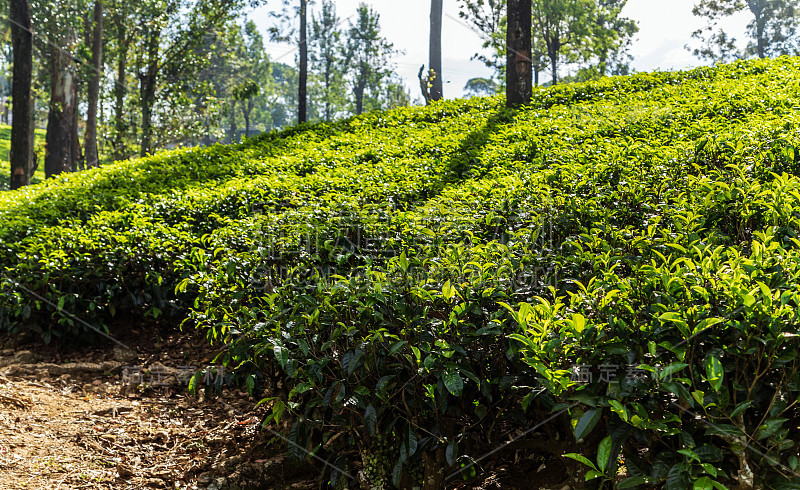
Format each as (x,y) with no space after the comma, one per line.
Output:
(326,53)
(285,32)
(245,92)
(519,72)
(435,77)
(610,36)
(772,30)
(90,135)
(21,153)
(369,58)
(302,94)
(227,63)
(256,84)
(564,28)
(234,129)
(123,38)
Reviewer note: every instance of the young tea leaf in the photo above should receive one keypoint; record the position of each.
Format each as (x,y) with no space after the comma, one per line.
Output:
(587,422)
(453,382)
(714,372)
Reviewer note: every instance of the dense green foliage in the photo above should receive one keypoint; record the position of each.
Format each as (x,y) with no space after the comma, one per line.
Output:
(434,275)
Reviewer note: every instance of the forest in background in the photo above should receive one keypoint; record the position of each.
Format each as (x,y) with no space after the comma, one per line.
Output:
(110,80)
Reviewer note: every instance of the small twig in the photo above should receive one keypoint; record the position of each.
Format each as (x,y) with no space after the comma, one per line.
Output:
(62,482)
(14,401)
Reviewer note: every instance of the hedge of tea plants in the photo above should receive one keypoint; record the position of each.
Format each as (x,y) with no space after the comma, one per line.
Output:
(606,280)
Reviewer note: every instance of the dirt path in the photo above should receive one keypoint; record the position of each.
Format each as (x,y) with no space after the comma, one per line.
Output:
(69,425)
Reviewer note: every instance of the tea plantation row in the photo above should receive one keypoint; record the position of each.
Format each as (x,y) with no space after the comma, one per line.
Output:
(607,278)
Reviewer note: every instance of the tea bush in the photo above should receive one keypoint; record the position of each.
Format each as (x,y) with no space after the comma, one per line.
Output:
(608,276)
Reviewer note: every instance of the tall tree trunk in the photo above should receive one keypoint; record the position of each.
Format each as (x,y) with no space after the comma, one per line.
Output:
(90,135)
(119,86)
(359,92)
(75,143)
(328,70)
(32,138)
(232,137)
(148,89)
(247,108)
(302,92)
(435,77)
(757,9)
(519,69)
(554,66)
(61,116)
(21,152)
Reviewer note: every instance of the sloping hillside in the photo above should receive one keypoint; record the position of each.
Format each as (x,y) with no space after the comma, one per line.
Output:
(611,272)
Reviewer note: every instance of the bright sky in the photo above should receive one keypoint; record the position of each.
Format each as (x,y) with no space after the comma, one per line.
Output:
(664,28)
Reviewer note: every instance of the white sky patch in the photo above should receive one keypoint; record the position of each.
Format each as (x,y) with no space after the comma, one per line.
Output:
(665,27)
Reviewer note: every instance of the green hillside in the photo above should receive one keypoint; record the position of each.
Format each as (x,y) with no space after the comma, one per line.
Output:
(5,142)
(612,272)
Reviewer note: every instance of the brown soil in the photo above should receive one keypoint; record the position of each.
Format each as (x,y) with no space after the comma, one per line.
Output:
(78,420)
